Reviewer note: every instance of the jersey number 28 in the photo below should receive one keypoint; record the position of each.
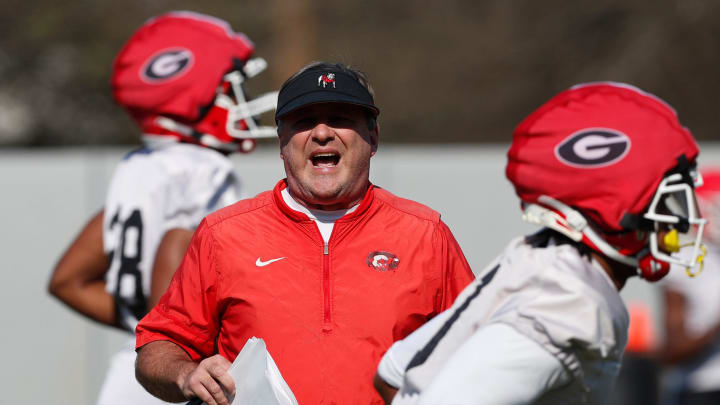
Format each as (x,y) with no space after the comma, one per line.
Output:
(128,292)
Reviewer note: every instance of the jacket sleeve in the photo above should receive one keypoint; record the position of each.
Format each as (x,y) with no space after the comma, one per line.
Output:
(187,313)
(456,270)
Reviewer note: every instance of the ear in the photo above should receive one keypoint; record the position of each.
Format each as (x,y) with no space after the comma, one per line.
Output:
(374,139)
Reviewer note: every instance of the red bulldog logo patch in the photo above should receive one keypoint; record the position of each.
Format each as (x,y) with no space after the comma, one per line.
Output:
(383,261)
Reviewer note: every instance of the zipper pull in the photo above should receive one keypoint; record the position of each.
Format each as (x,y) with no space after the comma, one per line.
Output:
(325,248)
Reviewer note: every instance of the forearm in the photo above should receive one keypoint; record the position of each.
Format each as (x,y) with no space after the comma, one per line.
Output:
(78,279)
(89,299)
(169,255)
(679,349)
(161,368)
(680,345)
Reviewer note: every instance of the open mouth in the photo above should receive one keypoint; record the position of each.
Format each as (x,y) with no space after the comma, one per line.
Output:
(325,159)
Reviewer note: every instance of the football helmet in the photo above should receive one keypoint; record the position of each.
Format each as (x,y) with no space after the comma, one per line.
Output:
(181,76)
(610,166)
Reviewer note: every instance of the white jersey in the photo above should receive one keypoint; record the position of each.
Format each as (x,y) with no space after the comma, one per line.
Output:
(549,297)
(152,191)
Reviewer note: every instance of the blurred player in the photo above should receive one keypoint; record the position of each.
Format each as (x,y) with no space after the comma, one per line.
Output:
(180,76)
(692,315)
(609,171)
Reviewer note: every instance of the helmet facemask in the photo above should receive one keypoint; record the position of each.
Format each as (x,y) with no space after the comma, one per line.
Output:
(675,216)
(230,123)
(241,121)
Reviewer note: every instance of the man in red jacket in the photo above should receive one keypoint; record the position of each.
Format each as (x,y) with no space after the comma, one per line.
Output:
(327,268)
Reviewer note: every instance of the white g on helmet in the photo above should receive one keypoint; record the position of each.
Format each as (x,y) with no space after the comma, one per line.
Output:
(181,76)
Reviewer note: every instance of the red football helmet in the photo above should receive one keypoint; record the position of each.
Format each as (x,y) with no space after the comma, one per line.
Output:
(180,77)
(610,166)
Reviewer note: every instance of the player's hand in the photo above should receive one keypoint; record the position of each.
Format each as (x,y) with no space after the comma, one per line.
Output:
(210,381)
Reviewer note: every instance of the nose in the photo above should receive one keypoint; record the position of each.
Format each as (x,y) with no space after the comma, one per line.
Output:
(322,133)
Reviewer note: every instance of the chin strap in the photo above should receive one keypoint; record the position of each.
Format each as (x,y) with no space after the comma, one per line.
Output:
(560,217)
(244,145)
(555,215)
(652,269)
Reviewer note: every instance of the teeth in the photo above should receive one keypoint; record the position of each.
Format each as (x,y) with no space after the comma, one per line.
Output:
(326,159)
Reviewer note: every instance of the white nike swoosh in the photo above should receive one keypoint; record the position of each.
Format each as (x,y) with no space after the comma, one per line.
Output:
(261,263)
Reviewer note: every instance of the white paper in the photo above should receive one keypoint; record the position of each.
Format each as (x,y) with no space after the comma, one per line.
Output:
(257,378)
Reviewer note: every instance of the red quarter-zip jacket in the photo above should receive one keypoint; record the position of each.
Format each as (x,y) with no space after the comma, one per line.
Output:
(326,312)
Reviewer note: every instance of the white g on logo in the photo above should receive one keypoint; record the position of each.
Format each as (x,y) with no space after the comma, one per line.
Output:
(593,147)
(166,65)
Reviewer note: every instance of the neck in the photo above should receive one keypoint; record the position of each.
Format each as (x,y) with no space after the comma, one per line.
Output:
(330,205)
(327,207)
(618,272)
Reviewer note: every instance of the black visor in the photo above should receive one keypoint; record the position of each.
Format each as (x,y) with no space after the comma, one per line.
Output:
(323,86)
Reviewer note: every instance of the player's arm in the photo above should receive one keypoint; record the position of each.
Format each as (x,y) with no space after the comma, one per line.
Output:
(168,372)
(679,344)
(169,255)
(391,370)
(78,277)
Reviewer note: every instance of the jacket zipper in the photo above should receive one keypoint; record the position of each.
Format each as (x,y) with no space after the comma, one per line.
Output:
(327,325)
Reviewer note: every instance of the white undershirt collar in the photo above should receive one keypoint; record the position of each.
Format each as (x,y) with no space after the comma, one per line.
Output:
(325,220)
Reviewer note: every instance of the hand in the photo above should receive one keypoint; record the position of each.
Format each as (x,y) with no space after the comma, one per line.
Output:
(209,381)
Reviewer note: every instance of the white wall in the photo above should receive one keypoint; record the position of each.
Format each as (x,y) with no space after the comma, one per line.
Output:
(52,356)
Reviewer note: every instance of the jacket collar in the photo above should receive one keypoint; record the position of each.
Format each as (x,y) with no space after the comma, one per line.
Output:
(300,217)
